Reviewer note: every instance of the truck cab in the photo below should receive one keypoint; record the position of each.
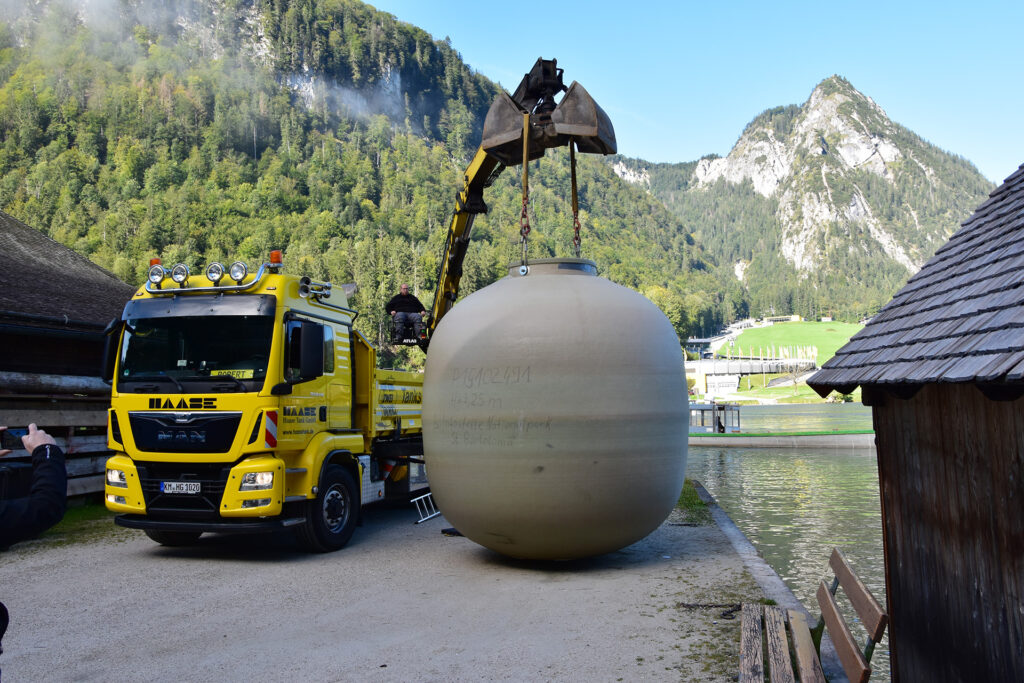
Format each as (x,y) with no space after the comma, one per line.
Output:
(246,402)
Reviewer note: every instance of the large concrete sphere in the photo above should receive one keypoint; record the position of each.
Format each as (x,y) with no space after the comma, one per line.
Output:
(555,414)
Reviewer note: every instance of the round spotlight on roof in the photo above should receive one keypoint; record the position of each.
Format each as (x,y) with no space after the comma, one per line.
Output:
(214,272)
(238,271)
(180,273)
(156,273)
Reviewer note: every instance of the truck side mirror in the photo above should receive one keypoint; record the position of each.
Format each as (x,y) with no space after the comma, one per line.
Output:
(304,354)
(112,334)
(311,353)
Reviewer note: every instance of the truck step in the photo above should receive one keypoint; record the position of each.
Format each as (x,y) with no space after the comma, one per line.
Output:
(425,507)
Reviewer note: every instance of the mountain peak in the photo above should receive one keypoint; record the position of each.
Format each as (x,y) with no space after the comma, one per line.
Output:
(836,89)
(836,83)
(837,121)
(833,163)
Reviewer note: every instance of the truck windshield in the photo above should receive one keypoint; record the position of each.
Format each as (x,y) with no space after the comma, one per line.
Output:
(223,352)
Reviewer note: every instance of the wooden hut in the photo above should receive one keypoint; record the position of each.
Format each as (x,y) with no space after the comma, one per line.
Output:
(942,367)
(54,306)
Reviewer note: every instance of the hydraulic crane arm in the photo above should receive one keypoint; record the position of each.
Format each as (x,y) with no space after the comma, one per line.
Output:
(468,203)
(531,112)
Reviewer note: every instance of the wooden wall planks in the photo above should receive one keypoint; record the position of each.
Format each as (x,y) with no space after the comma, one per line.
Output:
(951,474)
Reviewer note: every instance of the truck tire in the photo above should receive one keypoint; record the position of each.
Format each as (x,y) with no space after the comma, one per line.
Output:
(331,517)
(174,539)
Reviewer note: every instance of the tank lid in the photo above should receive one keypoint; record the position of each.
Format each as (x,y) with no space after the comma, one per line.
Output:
(554,266)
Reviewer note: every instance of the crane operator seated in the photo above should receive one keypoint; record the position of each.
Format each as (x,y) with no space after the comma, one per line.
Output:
(405,308)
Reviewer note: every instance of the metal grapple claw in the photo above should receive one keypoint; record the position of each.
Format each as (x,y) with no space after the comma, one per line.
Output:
(576,117)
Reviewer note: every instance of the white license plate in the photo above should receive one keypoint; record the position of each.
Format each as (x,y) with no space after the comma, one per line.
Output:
(179,486)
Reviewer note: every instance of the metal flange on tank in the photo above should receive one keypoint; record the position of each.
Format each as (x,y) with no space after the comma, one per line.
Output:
(555,414)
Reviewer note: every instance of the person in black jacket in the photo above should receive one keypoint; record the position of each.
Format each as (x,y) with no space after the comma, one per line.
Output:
(406,308)
(24,518)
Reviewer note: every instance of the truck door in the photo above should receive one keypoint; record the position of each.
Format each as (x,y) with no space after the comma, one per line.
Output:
(304,410)
(339,391)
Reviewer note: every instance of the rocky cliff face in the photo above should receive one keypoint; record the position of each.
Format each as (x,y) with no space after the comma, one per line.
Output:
(632,175)
(862,137)
(822,162)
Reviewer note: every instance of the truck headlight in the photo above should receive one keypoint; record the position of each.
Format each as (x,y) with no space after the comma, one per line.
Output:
(256,481)
(117,478)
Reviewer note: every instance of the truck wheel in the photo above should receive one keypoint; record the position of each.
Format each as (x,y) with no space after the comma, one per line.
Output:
(174,538)
(331,517)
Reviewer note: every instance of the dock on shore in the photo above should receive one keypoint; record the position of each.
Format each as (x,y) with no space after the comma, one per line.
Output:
(848,439)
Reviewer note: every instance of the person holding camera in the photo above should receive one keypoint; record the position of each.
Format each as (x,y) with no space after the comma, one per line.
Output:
(24,518)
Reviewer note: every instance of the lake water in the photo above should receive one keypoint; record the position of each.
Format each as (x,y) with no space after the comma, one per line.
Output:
(796,504)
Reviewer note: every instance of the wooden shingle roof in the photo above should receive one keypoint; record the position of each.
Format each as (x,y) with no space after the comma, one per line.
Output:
(45,284)
(959,319)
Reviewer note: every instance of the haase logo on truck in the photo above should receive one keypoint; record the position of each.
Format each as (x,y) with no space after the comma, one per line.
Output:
(182,404)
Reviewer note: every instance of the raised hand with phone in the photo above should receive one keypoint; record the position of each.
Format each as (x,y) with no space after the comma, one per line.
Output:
(27,516)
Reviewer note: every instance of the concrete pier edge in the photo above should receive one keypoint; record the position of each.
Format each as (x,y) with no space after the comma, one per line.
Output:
(852,440)
(771,584)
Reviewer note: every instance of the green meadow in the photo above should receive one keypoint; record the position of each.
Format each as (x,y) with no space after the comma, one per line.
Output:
(826,337)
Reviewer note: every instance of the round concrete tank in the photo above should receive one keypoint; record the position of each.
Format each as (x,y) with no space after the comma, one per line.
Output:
(555,414)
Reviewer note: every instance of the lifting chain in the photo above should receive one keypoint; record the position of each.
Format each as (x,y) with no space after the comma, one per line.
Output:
(524,218)
(524,227)
(575,200)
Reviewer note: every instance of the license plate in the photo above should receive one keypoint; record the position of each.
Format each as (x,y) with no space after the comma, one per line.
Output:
(179,486)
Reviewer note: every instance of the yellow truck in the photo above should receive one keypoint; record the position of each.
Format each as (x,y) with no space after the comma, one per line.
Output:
(246,402)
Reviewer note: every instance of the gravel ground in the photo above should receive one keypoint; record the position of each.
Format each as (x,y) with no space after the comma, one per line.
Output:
(401,602)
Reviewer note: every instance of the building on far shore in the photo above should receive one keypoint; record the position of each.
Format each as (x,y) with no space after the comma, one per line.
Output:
(54,306)
(942,367)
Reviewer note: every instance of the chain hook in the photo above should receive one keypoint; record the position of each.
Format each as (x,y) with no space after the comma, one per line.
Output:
(524,233)
(576,234)
(524,217)
(575,200)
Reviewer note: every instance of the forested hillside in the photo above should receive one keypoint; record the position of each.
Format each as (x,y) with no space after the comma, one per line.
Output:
(220,129)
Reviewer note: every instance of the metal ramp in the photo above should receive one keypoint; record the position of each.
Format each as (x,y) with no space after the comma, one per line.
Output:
(425,507)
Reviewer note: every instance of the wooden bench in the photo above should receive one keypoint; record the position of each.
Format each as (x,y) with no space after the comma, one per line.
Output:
(771,640)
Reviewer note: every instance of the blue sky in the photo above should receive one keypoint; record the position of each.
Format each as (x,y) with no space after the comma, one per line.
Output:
(681,79)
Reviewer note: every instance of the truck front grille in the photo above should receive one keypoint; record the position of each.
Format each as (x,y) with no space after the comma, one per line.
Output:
(202,505)
(184,432)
